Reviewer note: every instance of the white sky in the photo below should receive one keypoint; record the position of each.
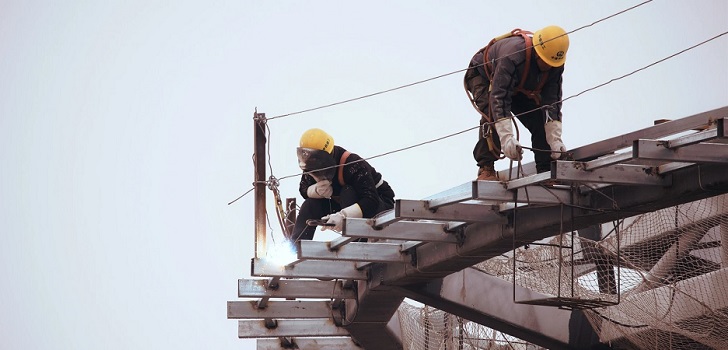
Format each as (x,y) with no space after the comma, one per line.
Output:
(126,128)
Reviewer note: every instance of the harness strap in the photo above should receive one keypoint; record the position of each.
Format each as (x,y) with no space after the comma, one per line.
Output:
(341,167)
(488,67)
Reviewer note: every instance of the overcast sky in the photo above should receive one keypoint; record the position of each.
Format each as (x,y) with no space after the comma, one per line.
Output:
(126,128)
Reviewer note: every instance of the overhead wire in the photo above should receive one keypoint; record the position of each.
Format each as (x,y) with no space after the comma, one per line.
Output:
(445,74)
(535,109)
(514,116)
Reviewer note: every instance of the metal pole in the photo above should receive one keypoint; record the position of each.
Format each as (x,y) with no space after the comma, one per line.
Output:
(259,185)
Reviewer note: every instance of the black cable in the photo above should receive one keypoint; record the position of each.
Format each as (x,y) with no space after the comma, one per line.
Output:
(443,75)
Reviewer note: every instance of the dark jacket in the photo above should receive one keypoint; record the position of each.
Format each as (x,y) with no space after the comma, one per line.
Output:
(508,57)
(362,177)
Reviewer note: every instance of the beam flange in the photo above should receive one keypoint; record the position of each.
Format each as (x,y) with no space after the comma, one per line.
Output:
(698,153)
(290,328)
(401,230)
(334,343)
(620,174)
(308,269)
(279,309)
(533,194)
(529,180)
(257,288)
(413,209)
(355,251)
(605,161)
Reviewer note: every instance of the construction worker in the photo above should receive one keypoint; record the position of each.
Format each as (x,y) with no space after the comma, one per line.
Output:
(336,184)
(518,73)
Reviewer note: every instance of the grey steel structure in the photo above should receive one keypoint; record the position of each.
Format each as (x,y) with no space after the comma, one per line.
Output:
(430,245)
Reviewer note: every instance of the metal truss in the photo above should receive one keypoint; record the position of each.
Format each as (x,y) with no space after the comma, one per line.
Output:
(343,292)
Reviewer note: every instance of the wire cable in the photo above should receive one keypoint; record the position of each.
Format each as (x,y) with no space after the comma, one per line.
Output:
(526,112)
(514,116)
(445,74)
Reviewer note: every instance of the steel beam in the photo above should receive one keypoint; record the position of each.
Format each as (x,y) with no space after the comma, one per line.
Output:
(490,190)
(334,343)
(308,269)
(484,241)
(614,144)
(456,195)
(620,174)
(691,139)
(698,153)
(250,288)
(355,251)
(605,161)
(338,243)
(279,309)
(290,328)
(412,209)
(384,219)
(401,230)
(492,306)
(529,180)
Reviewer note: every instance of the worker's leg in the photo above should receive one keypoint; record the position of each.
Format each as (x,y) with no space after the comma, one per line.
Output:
(488,144)
(534,121)
(311,208)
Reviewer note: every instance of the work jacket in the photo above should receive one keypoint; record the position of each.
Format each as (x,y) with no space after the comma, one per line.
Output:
(508,57)
(369,185)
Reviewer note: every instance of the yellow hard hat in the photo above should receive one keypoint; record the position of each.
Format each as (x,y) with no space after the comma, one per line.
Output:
(317,139)
(551,44)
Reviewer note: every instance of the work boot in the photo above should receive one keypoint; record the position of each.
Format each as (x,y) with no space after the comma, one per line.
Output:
(487,173)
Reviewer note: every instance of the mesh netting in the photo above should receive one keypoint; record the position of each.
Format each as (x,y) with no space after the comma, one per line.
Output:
(429,328)
(653,281)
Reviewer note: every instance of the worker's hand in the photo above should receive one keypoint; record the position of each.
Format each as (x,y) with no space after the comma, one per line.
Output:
(559,150)
(321,189)
(553,137)
(510,146)
(336,219)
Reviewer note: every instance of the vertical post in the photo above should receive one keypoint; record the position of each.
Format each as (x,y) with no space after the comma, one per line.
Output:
(259,141)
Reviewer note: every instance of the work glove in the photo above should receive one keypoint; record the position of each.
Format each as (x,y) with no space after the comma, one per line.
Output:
(553,137)
(510,146)
(321,189)
(337,219)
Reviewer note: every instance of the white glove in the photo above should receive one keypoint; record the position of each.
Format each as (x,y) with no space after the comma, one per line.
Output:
(338,219)
(553,137)
(321,189)
(510,146)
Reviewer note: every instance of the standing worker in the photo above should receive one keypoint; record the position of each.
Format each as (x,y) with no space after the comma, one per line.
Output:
(336,184)
(518,73)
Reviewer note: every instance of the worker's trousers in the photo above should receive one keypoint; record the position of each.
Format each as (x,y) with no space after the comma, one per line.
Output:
(534,121)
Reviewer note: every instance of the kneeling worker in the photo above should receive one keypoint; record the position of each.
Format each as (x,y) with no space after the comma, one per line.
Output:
(336,184)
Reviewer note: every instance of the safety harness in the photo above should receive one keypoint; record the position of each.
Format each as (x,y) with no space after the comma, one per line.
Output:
(488,68)
(488,65)
(341,167)
(342,162)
